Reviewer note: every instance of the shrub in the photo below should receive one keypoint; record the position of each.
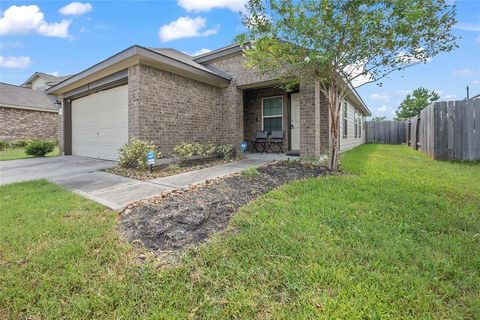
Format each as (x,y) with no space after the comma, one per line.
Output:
(22,143)
(207,150)
(185,151)
(225,151)
(134,153)
(250,173)
(4,145)
(39,148)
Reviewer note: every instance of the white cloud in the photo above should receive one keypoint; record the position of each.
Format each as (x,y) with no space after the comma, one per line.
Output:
(464,72)
(20,20)
(54,73)
(380,97)
(416,57)
(401,92)
(75,8)
(383,108)
(476,82)
(15,62)
(207,5)
(466,26)
(200,51)
(357,73)
(185,27)
(449,97)
(477,40)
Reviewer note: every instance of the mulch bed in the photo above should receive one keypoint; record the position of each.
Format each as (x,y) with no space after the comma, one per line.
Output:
(184,219)
(167,169)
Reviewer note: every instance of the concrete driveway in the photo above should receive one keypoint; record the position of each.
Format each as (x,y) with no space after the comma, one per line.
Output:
(82,176)
(48,168)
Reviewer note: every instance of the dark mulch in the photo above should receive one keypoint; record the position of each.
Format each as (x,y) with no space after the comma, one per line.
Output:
(186,219)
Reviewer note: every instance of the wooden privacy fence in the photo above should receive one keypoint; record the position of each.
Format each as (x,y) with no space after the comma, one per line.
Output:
(444,131)
(386,132)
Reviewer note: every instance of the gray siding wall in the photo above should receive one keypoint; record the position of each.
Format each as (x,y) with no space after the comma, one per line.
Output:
(350,141)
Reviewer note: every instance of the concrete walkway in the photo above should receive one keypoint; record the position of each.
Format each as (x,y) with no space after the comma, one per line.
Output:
(116,192)
(186,179)
(82,176)
(113,191)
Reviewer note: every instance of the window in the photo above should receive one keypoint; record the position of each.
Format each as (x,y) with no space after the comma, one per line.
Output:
(272,113)
(360,123)
(355,121)
(345,121)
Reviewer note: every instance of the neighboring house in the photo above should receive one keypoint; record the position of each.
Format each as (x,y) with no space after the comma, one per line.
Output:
(477,97)
(169,97)
(27,114)
(42,81)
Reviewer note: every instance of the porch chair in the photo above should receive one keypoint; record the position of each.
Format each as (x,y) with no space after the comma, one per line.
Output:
(276,138)
(261,139)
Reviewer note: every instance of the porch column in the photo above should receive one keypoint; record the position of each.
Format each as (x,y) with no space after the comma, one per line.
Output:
(233,115)
(313,123)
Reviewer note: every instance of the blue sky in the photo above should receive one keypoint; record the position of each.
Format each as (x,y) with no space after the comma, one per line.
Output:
(64,38)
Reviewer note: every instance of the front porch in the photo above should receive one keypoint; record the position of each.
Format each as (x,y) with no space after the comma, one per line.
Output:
(272,109)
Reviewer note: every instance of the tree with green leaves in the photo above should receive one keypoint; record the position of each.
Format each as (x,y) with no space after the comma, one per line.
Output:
(336,44)
(415,102)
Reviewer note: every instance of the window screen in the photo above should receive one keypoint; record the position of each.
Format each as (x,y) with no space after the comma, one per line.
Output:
(273,114)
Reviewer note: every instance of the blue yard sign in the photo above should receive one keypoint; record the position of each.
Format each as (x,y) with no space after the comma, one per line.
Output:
(151,157)
(243,146)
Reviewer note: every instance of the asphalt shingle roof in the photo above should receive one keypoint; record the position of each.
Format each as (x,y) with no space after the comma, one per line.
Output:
(12,95)
(187,59)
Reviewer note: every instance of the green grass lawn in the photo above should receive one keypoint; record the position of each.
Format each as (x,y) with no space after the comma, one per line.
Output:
(19,153)
(399,237)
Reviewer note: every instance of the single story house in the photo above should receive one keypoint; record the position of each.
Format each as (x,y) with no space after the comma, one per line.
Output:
(169,97)
(27,114)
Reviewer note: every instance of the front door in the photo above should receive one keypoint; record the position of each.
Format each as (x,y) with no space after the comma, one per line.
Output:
(295,121)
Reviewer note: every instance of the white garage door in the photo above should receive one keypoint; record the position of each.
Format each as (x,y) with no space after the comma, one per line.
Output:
(100,123)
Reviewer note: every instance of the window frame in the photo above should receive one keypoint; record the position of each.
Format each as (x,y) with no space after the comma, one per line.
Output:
(269,117)
(355,123)
(345,120)
(360,122)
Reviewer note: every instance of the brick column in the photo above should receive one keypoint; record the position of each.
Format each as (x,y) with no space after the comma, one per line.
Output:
(134,102)
(233,122)
(313,123)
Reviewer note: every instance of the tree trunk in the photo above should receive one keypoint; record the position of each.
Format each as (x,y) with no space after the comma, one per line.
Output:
(334,108)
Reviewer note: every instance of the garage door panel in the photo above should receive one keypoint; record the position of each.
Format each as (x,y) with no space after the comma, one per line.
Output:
(105,151)
(100,123)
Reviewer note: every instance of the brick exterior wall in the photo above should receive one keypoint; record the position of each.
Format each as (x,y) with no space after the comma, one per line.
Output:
(313,123)
(235,66)
(169,109)
(28,124)
(232,112)
(253,112)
